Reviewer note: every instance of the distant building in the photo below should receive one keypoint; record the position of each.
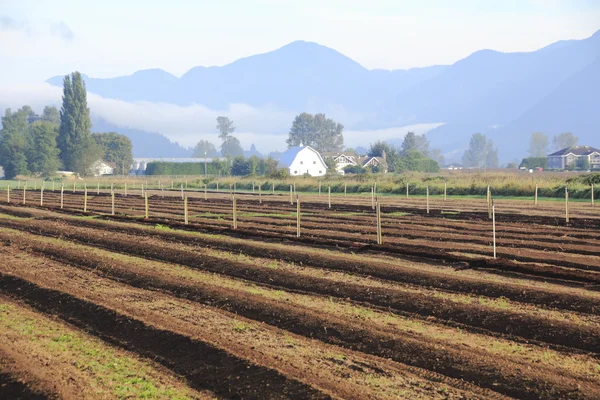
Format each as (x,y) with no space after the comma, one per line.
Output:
(575,157)
(454,166)
(101,167)
(300,160)
(343,160)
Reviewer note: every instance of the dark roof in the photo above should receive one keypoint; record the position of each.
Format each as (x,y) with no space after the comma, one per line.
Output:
(577,150)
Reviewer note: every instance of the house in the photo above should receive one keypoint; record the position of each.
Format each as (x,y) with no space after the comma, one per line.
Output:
(342,160)
(300,160)
(101,167)
(582,157)
(378,163)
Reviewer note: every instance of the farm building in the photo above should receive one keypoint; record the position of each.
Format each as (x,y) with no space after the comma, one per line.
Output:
(101,167)
(300,160)
(343,160)
(575,157)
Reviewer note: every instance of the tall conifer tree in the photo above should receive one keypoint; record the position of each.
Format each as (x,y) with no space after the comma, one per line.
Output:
(77,148)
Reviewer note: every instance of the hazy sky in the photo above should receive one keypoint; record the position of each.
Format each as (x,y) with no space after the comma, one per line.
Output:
(39,39)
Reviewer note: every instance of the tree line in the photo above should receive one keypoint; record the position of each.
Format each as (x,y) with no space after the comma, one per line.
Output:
(40,145)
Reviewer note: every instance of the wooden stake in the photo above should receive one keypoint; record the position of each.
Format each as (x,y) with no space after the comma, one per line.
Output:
(319,188)
(73,186)
(273,187)
(62,195)
(146,203)
(205,191)
(253,187)
(345,184)
(407,190)
(295,187)
(234,211)
(24,193)
(494,226)
(445,191)
(125,189)
(172,185)
(378,217)
(329,194)
(536,195)
(297,216)
(185,210)
(182,191)
(8,194)
(372,197)
(427,199)
(217,186)
(98,188)
(42,196)
(259,194)
(85,200)
(592,194)
(112,202)
(567,205)
(291,194)
(489,202)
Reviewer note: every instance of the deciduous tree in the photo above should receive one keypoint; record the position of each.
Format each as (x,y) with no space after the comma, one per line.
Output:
(318,131)
(116,149)
(205,147)
(564,140)
(538,145)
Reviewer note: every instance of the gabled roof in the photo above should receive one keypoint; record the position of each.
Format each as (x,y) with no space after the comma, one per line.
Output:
(576,150)
(369,160)
(288,157)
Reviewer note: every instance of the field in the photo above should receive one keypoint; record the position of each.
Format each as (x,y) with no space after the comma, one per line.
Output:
(141,304)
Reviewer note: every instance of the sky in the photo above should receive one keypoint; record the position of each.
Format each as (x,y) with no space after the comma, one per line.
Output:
(40,39)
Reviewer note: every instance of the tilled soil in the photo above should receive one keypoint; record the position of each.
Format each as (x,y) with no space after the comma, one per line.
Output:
(410,277)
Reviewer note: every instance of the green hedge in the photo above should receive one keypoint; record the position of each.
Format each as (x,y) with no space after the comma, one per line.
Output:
(173,168)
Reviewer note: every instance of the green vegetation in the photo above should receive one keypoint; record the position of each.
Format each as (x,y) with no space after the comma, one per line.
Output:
(39,145)
(78,150)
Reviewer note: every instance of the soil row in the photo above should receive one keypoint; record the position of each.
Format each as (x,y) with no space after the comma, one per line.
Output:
(176,334)
(521,291)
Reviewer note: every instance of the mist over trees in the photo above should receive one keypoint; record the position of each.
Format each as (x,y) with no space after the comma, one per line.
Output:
(316,131)
(230,145)
(481,153)
(40,145)
(205,148)
(410,157)
(564,140)
(538,145)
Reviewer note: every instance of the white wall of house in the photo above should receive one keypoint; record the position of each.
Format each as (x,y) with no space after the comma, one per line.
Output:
(101,168)
(308,161)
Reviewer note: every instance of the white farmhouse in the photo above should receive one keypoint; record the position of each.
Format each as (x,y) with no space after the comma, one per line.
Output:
(101,167)
(302,160)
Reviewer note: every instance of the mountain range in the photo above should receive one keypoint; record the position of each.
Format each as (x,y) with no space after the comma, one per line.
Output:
(505,95)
